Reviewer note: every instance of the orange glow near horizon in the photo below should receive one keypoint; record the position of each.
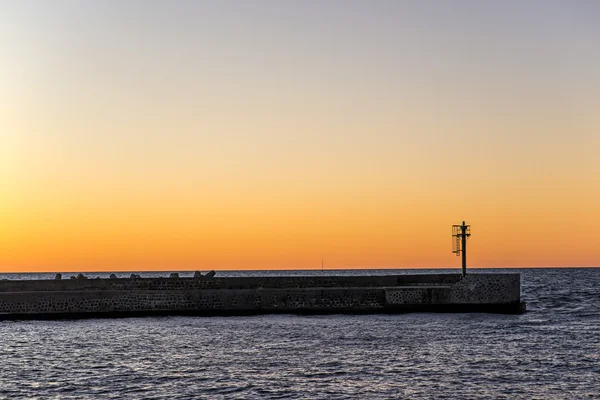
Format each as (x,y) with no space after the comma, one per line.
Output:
(285,234)
(203,137)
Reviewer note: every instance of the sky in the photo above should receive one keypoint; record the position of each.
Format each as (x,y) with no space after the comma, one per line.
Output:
(161,135)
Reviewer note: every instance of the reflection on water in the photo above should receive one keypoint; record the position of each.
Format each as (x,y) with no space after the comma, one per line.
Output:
(552,351)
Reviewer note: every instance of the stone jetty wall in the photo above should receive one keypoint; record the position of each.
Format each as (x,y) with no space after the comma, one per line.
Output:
(272,282)
(255,295)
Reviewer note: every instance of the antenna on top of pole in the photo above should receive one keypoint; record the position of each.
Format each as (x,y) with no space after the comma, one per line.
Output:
(460,234)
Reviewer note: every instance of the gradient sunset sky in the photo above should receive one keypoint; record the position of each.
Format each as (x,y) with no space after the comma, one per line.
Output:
(139,135)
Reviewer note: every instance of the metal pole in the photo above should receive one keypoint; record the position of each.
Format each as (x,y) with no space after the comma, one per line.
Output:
(463,229)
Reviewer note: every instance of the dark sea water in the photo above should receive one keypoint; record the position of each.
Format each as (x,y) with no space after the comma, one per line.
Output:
(550,352)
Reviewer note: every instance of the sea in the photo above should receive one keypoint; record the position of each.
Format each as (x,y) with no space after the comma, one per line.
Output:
(550,352)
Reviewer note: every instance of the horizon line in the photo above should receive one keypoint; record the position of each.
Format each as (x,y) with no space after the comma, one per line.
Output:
(294,269)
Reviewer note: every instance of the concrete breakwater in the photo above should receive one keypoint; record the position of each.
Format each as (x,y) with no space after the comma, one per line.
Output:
(202,295)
